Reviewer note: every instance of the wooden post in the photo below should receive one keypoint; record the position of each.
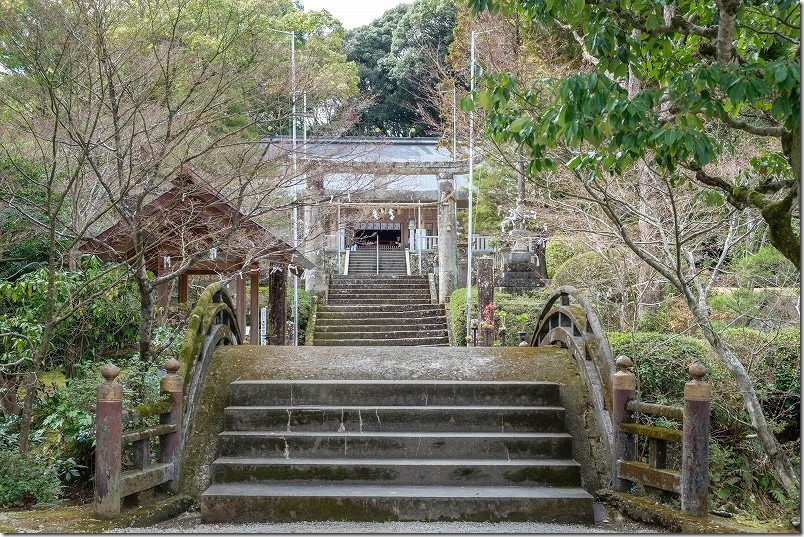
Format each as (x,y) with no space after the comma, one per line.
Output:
(169,443)
(695,447)
(623,387)
(184,288)
(108,444)
(277,308)
(240,303)
(254,308)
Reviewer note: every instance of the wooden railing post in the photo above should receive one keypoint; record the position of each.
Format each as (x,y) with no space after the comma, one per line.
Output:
(169,443)
(695,448)
(623,389)
(108,444)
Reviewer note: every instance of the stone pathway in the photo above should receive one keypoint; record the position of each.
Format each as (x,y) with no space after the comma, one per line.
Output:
(606,521)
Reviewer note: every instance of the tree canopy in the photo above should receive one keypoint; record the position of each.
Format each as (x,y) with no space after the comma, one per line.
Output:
(397,55)
(667,82)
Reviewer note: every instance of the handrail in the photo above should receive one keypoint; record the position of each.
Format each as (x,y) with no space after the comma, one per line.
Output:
(578,328)
(112,484)
(691,482)
(652,409)
(612,388)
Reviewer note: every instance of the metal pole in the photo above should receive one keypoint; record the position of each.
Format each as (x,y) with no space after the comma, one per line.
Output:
(338,238)
(378,253)
(454,125)
(295,186)
(471,187)
(419,241)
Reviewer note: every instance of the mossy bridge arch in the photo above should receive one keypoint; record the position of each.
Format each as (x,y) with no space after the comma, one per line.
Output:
(604,414)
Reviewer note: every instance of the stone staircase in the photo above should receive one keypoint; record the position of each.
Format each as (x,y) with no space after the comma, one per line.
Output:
(363,262)
(381,450)
(380,310)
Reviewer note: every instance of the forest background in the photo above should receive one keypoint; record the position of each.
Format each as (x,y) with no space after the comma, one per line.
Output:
(655,144)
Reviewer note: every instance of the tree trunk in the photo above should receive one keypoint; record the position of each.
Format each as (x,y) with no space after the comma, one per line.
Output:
(146,289)
(783,468)
(8,394)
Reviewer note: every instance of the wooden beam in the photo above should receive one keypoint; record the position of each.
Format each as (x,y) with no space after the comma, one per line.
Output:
(254,308)
(650,477)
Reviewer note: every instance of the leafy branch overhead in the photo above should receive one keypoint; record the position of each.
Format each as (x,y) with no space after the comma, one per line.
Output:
(672,82)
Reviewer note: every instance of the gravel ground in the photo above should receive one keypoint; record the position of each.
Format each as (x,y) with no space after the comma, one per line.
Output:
(605,522)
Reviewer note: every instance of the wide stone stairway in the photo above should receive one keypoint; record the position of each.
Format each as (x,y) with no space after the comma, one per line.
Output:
(382,310)
(380,450)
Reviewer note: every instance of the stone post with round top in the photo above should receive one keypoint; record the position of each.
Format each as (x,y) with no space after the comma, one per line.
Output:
(108,447)
(695,447)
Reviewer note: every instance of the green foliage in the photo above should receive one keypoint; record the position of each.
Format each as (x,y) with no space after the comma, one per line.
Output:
(26,481)
(773,361)
(587,270)
(397,55)
(722,78)
(457,312)
(521,312)
(766,267)
(741,475)
(305,306)
(660,361)
(764,309)
(671,316)
(104,315)
(559,249)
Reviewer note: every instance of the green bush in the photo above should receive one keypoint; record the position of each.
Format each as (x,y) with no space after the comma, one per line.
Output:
(457,313)
(521,313)
(767,267)
(26,481)
(587,270)
(660,361)
(672,316)
(305,306)
(773,362)
(559,249)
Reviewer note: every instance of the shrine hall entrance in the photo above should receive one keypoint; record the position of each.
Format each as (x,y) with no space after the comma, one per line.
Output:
(389,235)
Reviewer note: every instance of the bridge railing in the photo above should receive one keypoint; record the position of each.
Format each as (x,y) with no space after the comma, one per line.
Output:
(691,480)
(569,319)
(112,483)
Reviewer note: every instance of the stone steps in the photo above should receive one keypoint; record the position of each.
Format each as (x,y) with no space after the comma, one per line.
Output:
(283,502)
(380,310)
(366,262)
(376,450)
(405,471)
(327,341)
(393,418)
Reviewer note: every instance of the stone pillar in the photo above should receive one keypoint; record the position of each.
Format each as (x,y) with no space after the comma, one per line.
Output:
(277,304)
(254,307)
(695,447)
(623,388)
(447,237)
(485,297)
(108,442)
(173,385)
(313,236)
